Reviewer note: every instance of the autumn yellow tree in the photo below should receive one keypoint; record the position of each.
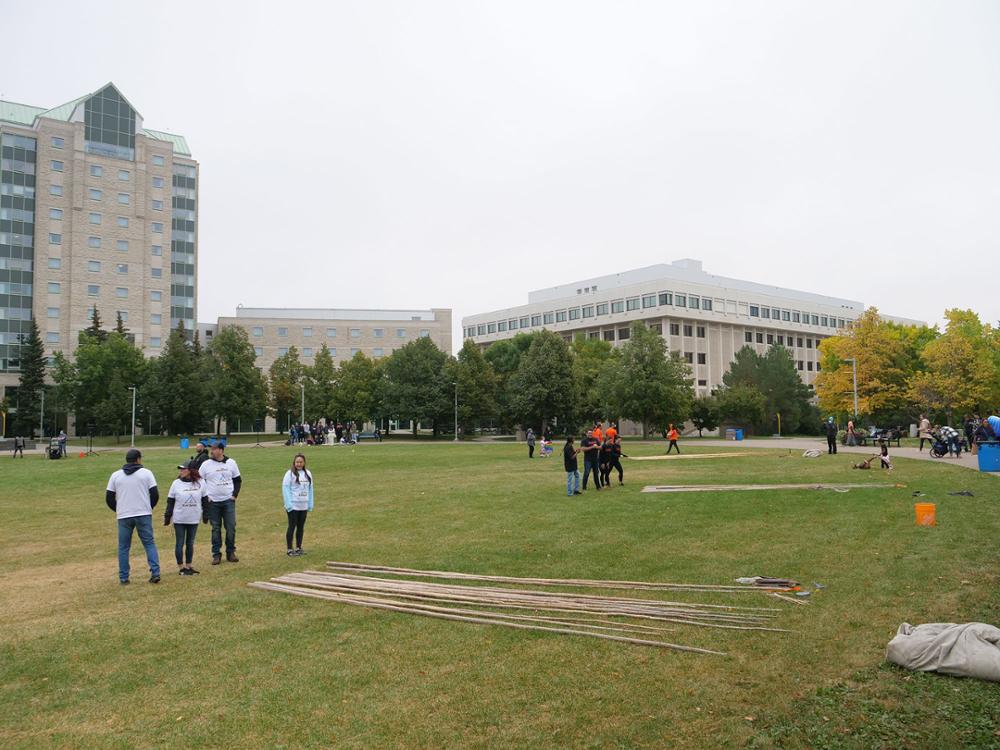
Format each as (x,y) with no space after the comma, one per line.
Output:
(882,355)
(960,367)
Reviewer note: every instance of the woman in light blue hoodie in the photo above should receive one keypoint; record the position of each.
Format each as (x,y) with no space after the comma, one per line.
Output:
(297,491)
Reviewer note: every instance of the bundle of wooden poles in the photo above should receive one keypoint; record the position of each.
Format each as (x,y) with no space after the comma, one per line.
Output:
(623,619)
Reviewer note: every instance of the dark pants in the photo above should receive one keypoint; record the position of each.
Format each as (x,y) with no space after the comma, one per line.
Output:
(18,449)
(531,450)
(184,532)
(929,442)
(673,444)
(588,467)
(220,514)
(297,524)
(831,443)
(616,463)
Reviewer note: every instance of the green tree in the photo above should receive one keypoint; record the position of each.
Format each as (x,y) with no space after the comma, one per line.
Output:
(651,387)
(541,391)
(589,357)
(319,379)
(774,375)
(63,392)
(94,330)
(741,404)
(705,413)
(356,390)
(237,389)
(31,381)
(105,370)
(477,386)
(416,384)
(120,324)
(175,395)
(505,357)
(285,390)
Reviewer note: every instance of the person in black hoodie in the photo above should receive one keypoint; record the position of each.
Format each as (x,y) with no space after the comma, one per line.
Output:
(572,468)
(616,462)
(831,436)
(200,454)
(132,494)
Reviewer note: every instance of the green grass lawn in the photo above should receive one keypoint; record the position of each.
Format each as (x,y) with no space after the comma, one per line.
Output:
(208,662)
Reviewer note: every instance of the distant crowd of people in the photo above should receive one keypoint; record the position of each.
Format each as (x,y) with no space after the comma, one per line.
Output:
(326,432)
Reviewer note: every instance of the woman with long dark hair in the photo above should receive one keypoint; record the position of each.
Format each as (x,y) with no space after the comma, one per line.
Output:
(297,491)
(187,504)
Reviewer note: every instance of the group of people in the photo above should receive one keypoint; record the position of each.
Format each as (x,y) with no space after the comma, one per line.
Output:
(205,491)
(602,453)
(977,430)
(326,432)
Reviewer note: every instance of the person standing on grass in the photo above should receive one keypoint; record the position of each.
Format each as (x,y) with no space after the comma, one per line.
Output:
(924,432)
(572,471)
(616,460)
(672,436)
(831,436)
(612,431)
(200,454)
(591,450)
(607,449)
(18,446)
(531,442)
(132,494)
(62,443)
(297,492)
(187,504)
(223,482)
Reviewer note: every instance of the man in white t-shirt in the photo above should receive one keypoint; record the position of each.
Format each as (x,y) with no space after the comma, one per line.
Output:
(222,483)
(132,495)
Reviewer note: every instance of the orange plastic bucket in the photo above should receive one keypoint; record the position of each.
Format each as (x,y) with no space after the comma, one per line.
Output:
(925,514)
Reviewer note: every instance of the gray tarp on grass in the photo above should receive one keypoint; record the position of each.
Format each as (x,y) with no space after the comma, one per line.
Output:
(970,649)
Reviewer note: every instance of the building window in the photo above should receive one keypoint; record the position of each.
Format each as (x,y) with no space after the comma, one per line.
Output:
(689,330)
(702,382)
(52,312)
(480,329)
(632,304)
(157,160)
(701,358)
(158,227)
(770,338)
(549,318)
(307,351)
(122,245)
(809,366)
(706,304)
(282,351)
(121,268)
(55,263)
(55,213)
(356,333)
(694,302)
(680,300)
(809,343)
(781,340)
(765,313)
(760,338)
(624,333)
(689,357)
(157,182)
(93,290)
(123,314)
(355,352)
(657,327)
(331,333)
(95,194)
(814,319)
(524,322)
(560,316)
(123,198)
(123,175)
(154,341)
(785,315)
(258,331)
(648,301)
(282,332)
(754,311)
(425,333)
(675,329)
(155,296)
(57,142)
(121,292)
(96,170)
(796,317)
(258,351)
(588,311)
(51,337)
(401,333)
(609,335)
(55,239)
(54,287)
(307,332)
(57,166)
(701,332)
(618,306)
(824,322)
(155,319)
(378,352)
(93,242)
(157,205)
(748,337)
(157,250)
(536,320)
(55,190)
(157,273)
(512,324)
(379,333)
(94,218)
(574,313)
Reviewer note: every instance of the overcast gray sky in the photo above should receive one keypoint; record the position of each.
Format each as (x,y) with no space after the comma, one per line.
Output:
(459,154)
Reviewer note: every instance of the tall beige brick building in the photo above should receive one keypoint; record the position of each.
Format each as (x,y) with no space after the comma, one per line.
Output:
(95,209)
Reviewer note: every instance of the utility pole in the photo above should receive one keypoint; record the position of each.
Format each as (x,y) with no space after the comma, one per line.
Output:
(303,414)
(854,375)
(133,389)
(456,411)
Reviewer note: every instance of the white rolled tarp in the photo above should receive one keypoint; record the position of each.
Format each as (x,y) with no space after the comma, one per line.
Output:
(969,649)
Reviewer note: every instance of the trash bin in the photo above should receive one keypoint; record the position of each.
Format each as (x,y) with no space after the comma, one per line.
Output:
(184,444)
(730,433)
(989,456)
(739,434)
(914,431)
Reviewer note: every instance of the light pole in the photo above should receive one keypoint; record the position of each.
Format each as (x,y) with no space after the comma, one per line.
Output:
(456,411)
(854,375)
(41,416)
(133,389)
(303,412)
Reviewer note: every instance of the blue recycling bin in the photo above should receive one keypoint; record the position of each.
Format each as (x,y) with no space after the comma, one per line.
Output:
(184,444)
(739,434)
(989,456)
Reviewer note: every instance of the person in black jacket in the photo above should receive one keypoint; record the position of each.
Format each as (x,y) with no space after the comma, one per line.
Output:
(591,450)
(570,452)
(607,450)
(616,463)
(831,436)
(200,454)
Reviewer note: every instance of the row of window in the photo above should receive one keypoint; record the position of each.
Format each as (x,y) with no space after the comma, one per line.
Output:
(307,351)
(58,142)
(55,238)
(401,333)
(796,316)
(782,340)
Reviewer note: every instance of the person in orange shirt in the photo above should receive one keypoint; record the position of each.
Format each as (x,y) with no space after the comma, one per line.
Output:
(598,432)
(611,433)
(672,435)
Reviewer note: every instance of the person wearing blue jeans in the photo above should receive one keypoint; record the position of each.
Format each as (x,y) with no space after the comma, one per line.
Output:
(132,494)
(572,470)
(222,484)
(223,514)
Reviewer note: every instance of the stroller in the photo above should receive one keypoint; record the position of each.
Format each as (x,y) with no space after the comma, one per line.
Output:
(54,451)
(939,447)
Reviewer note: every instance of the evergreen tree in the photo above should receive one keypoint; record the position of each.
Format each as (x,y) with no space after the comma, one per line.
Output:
(31,382)
(237,391)
(120,324)
(174,393)
(94,330)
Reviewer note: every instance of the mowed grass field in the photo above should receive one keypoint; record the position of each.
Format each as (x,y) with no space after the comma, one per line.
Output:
(206,661)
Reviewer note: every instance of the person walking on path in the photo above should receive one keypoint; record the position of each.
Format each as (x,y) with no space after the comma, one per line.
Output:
(672,435)
(132,494)
(924,432)
(187,504)
(18,446)
(223,482)
(852,438)
(616,460)
(591,457)
(297,493)
(572,471)
(831,436)
(531,443)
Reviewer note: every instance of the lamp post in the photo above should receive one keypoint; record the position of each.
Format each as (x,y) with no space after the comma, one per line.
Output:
(41,416)
(854,375)
(133,389)
(303,412)
(456,411)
